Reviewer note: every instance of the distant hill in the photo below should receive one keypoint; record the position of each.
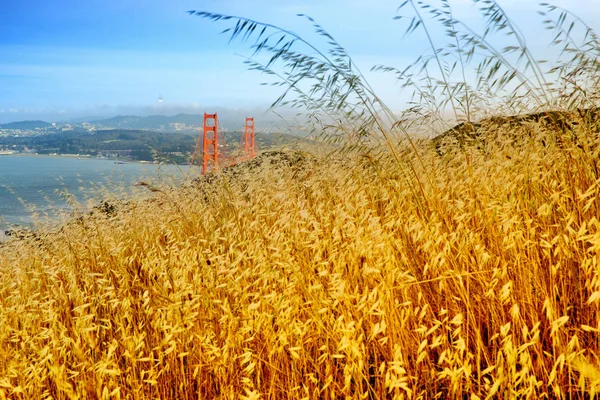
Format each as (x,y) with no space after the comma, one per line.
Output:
(26,125)
(151,121)
(136,144)
(190,123)
(554,120)
(162,122)
(79,120)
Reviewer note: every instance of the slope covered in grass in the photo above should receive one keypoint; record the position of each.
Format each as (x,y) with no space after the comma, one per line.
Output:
(323,278)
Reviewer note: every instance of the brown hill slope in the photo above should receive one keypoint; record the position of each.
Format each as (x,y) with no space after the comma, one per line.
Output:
(482,132)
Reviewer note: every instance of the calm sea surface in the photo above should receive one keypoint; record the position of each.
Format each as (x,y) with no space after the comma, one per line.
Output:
(31,185)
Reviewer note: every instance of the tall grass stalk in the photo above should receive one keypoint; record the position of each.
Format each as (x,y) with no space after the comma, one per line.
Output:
(322,278)
(468,273)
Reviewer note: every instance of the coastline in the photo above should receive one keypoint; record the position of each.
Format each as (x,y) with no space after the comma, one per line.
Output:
(90,157)
(79,157)
(37,183)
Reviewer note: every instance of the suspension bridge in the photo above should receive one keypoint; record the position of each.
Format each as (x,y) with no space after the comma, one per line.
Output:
(208,144)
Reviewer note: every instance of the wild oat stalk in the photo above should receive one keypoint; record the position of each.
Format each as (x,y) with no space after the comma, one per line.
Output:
(316,277)
(579,75)
(328,85)
(331,90)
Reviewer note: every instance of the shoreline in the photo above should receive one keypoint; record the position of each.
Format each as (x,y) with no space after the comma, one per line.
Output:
(65,172)
(90,157)
(79,157)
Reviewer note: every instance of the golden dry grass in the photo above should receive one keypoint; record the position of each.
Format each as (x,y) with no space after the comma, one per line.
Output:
(335,278)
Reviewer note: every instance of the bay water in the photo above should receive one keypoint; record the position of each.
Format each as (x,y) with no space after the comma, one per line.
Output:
(35,188)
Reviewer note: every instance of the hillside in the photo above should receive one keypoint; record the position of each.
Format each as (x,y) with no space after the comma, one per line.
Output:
(558,121)
(229,121)
(150,121)
(187,123)
(370,263)
(26,125)
(141,145)
(328,276)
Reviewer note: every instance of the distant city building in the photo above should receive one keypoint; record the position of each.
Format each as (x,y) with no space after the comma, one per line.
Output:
(178,126)
(88,126)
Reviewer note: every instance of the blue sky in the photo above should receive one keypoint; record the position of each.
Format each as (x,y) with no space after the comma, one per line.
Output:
(69,58)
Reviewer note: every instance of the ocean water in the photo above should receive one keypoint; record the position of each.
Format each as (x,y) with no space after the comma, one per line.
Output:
(38,188)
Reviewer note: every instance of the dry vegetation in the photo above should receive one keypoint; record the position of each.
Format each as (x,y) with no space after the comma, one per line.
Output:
(328,278)
(468,267)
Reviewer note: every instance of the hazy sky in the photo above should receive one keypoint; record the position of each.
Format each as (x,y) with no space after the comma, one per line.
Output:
(69,58)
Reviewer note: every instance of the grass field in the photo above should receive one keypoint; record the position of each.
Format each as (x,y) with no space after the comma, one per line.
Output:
(324,277)
(374,265)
